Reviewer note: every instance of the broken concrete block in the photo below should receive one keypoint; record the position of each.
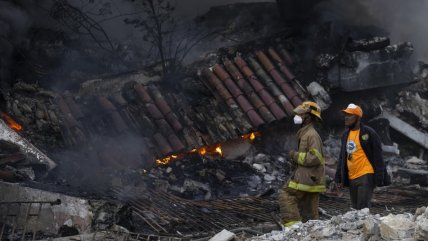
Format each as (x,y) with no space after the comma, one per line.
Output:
(371,227)
(192,185)
(365,70)
(6,133)
(71,211)
(261,158)
(224,235)
(254,181)
(416,161)
(351,225)
(269,178)
(420,211)
(407,130)
(320,95)
(397,227)
(368,44)
(325,61)
(221,175)
(391,149)
(421,231)
(259,167)
(351,237)
(415,176)
(414,104)
(325,233)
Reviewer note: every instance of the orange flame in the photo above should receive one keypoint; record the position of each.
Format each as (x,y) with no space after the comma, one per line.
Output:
(251,136)
(214,150)
(10,122)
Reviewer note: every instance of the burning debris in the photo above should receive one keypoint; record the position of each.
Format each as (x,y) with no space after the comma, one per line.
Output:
(18,156)
(209,141)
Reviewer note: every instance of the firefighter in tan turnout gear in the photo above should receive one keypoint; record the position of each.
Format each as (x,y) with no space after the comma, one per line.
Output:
(299,197)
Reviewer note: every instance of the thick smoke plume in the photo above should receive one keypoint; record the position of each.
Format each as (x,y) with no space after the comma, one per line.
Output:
(14,23)
(404,20)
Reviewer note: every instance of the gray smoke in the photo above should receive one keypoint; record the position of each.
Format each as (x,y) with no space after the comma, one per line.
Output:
(14,23)
(193,8)
(404,20)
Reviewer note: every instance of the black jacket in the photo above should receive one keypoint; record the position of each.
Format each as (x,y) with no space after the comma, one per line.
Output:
(372,147)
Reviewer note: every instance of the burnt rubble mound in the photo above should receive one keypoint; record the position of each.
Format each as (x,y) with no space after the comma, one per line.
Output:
(357,225)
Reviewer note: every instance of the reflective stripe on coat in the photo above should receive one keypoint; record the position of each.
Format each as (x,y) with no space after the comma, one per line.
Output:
(309,175)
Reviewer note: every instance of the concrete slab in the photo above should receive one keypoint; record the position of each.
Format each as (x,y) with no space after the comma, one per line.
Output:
(406,129)
(71,211)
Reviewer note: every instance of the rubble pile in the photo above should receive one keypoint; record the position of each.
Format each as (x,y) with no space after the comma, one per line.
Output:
(49,214)
(357,225)
(178,149)
(364,62)
(32,107)
(413,100)
(414,171)
(255,174)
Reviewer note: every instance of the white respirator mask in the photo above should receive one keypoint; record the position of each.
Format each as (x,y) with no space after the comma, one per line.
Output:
(297,120)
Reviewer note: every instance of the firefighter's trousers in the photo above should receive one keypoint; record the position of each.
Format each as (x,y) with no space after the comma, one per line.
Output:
(298,205)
